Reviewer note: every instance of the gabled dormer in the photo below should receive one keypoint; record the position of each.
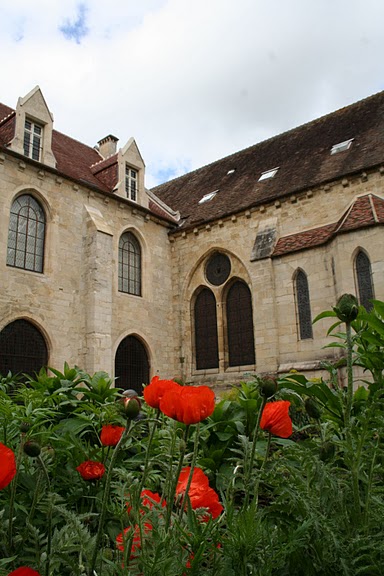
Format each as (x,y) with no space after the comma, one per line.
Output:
(33,129)
(131,172)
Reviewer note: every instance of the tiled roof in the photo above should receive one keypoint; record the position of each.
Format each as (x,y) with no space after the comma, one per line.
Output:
(79,161)
(302,155)
(366,210)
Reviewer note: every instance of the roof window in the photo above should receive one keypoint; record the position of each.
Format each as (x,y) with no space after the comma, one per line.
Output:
(208,197)
(231,171)
(268,174)
(341,146)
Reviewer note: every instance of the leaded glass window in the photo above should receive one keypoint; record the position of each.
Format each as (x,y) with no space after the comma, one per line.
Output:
(26,234)
(22,349)
(303,306)
(129,264)
(364,280)
(131,365)
(206,342)
(240,332)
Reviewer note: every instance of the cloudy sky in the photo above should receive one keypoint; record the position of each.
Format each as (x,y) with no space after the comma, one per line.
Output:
(191,80)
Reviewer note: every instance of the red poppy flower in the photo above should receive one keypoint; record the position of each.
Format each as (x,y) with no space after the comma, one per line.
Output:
(24,571)
(154,392)
(111,434)
(136,542)
(91,470)
(149,499)
(275,418)
(7,466)
(188,404)
(201,495)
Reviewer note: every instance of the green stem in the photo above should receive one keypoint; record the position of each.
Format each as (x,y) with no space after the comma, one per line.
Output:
(13,495)
(194,457)
(248,471)
(349,374)
(147,455)
(171,496)
(369,485)
(105,498)
(49,516)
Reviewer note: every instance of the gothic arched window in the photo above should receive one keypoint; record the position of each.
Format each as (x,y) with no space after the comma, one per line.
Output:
(364,280)
(303,305)
(129,264)
(206,342)
(131,365)
(26,234)
(240,333)
(22,349)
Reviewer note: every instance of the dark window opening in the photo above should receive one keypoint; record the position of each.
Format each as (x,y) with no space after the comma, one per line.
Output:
(303,306)
(22,349)
(206,342)
(240,332)
(131,365)
(364,280)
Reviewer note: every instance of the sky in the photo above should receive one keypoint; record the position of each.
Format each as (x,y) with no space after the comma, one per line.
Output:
(191,80)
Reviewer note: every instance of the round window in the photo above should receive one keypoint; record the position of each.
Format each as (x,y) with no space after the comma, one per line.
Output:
(218,268)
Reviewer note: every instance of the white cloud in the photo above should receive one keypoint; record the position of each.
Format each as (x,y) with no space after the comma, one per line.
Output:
(191,80)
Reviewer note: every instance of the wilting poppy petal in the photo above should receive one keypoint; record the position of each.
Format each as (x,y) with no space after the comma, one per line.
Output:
(201,495)
(91,470)
(7,466)
(154,392)
(24,571)
(188,404)
(275,418)
(111,434)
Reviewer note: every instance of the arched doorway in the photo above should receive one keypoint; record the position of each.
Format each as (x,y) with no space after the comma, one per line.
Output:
(22,349)
(131,365)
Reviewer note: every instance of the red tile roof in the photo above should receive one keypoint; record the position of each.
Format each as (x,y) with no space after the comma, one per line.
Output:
(365,211)
(302,155)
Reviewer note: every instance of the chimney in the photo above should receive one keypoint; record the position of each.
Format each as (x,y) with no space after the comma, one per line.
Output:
(107,146)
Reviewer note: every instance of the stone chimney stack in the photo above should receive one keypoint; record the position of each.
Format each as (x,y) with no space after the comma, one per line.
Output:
(107,146)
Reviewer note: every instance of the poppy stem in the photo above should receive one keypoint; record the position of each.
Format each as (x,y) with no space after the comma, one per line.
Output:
(148,452)
(107,485)
(248,472)
(13,494)
(194,457)
(49,516)
(171,497)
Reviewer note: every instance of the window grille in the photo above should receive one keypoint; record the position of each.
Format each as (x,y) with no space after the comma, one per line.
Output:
(206,342)
(131,365)
(33,135)
(129,265)
(131,183)
(26,234)
(22,349)
(364,280)
(303,306)
(240,332)
(218,268)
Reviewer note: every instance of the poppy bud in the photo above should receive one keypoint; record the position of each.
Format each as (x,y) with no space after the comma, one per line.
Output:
(268,387)
(347,308)
(312,408)
(24,427)
(32,449)
(130,406)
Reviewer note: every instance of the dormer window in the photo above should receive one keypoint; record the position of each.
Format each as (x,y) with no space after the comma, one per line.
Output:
(268,174)
(341,146)
(33,137)
(131,180)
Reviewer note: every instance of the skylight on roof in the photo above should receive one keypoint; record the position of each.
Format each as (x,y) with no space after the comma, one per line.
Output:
(231,171)
(268,174)
(341,146)
(208,197)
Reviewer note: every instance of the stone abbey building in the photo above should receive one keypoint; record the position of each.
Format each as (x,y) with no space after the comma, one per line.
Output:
(209,277)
